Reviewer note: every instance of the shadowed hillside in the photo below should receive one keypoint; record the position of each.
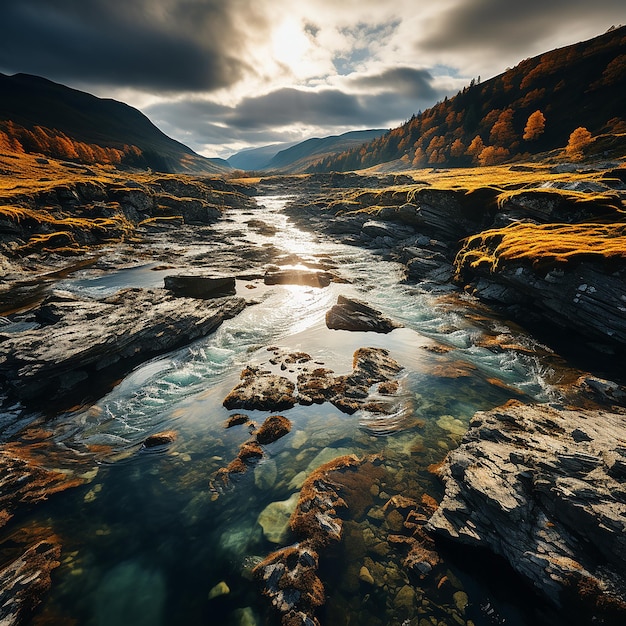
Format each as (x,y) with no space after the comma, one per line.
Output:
(533,108)
(36,112)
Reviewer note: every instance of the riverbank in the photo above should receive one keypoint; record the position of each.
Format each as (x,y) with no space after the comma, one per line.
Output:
(408,254)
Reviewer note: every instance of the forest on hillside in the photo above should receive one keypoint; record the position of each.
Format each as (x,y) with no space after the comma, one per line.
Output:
(560,98)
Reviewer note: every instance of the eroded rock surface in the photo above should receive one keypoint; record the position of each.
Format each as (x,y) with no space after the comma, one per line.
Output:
(261,390)
(25,580)
(544,487)
(77,339)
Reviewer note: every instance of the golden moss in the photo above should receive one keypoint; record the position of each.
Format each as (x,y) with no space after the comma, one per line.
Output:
(542,246)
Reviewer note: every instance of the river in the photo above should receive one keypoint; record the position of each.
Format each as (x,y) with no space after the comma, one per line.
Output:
(149,536)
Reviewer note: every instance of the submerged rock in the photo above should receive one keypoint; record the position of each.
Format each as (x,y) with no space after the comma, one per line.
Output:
(274,519)
(26,477)
(25,580)
(355,315)
(160,439)
(543,487)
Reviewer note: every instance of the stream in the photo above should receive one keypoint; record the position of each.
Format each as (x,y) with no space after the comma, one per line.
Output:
(149,537)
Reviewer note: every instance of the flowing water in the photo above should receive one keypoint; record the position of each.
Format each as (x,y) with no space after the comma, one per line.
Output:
(148,537)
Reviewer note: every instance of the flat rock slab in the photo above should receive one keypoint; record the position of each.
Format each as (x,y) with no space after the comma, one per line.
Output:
(544,487)
(83,338)
(298,277)
(200,286)
(356,315)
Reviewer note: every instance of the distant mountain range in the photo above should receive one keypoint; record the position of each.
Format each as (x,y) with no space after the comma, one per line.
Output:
(298,157)
(530,109)
(87,123)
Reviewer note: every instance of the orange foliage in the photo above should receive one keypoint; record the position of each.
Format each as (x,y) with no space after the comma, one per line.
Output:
(535,126)
(457,148)
(492,155)
(475,148)
(578,141)
(54,143)
(502,132)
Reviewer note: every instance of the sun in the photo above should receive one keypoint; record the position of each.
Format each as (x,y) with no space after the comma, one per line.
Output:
(290,44)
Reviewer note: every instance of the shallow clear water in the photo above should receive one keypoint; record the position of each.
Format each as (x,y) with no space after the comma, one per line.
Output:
(148,538)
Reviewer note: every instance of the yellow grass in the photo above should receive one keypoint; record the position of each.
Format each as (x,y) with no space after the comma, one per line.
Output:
(543,246)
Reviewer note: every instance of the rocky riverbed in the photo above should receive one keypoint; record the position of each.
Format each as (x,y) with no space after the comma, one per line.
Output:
(537,480)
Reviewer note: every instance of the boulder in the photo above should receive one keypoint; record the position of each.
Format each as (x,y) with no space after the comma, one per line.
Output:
(355,315)
(200,286)
(544,488)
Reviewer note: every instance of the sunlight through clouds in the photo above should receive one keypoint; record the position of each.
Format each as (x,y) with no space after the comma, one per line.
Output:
(366,63)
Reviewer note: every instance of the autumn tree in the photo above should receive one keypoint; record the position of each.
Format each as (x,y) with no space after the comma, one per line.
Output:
(493,155)
(502,132)
(578,141)
(457,149)
(475,148)
(535,126)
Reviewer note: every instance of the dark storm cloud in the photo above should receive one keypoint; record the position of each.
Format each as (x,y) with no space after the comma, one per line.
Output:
(264,118)
(514,26)
(289,106)
(416,83)
(163,45)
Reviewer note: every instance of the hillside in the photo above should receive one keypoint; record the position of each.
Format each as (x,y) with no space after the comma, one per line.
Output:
(55,120)
(530,109)
(302,156)
(257,158)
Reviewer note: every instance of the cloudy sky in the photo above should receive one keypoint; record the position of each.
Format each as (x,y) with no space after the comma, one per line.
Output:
(222,75)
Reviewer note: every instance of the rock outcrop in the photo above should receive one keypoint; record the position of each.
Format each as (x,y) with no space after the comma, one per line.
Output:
(77,340)
(261,390)
(355,315)
(544,487)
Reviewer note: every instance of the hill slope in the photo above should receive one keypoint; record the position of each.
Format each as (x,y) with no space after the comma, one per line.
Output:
(487,123)
(257,158)
(27,102)
(304,155)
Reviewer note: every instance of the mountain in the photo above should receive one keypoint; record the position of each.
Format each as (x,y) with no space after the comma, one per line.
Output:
(297,157)
(47,117)
(257,158)
(304,155)
(530,109)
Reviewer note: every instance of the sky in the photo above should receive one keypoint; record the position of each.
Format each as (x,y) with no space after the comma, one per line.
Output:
(225,75)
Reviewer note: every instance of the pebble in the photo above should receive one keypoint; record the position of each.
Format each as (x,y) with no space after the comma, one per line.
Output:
(365,576)
(221,589)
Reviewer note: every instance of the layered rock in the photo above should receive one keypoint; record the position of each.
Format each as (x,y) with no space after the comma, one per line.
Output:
(544,487)
(28,476)
(573,277)
(355,315)
(25,580)
(78,340)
